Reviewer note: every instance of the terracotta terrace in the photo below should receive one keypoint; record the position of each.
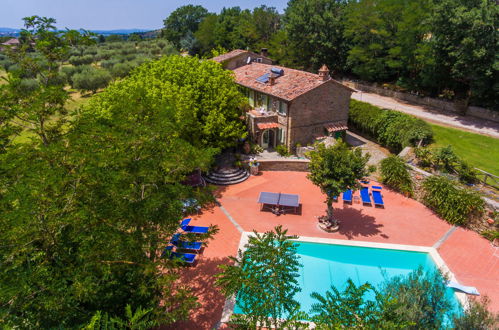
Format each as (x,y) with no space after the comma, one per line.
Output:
(472,259)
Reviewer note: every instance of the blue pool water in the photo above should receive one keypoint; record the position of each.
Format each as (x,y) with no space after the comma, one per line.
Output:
(324,265)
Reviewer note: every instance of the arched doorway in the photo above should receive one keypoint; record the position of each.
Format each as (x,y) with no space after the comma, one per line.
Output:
(268,139)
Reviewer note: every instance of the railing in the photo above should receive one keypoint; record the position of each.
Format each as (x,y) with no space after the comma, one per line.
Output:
(486,176)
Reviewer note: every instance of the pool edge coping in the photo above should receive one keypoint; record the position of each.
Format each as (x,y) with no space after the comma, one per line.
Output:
(230,303)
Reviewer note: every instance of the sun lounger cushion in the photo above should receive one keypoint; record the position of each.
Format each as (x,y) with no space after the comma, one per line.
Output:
(466,289)
(376,188)
(185,244)
(378,199)
(364,195)
(187,257)
(192,229)
(347,196)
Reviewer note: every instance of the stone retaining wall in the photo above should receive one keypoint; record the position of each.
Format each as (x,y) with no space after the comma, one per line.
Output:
(300,165)
(453,107)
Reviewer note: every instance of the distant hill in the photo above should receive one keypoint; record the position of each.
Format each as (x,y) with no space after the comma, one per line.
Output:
(4,31)
(119,31)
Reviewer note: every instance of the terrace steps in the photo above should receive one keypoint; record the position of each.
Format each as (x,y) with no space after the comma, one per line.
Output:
(227,176)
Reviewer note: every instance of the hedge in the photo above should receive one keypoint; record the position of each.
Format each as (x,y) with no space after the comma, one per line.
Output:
(453,203)
(394,173)
(392,129)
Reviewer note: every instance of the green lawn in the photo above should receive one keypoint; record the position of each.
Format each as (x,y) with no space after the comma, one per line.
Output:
(479,150)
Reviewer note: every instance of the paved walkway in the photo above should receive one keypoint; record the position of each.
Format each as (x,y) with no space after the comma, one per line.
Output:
(467,123)
(403,221)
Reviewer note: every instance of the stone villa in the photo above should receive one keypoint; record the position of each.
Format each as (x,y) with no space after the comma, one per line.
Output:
(288,106)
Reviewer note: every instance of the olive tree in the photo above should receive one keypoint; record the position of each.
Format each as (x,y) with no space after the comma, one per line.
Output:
(335,169)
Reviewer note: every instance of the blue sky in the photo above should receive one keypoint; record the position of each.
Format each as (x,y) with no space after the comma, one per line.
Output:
(111,14)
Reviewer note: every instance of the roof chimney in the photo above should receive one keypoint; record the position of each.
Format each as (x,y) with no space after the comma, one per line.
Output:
(264,52)
(272,79)
(324,73)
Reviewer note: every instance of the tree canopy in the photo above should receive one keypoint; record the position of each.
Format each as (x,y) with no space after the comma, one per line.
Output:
(182,21)
(264,278)
(335,169)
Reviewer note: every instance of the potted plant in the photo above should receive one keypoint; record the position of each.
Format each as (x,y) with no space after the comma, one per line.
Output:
(254,166)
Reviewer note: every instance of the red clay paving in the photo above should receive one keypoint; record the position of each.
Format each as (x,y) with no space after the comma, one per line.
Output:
(403,221)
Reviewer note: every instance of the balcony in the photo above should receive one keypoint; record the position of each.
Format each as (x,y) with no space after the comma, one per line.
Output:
(262,113)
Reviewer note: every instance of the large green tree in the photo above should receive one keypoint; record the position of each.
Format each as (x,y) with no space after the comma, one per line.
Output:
(464,40)
(201,99)
(335,169)
(315,29)
(387,38)
(182,21)
(264,279)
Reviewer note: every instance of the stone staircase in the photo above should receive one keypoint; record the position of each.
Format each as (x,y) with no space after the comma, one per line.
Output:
(227,176)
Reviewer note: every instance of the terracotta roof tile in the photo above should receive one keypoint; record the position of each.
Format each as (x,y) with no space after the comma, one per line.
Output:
(267,125)
(336,127)
(288,87)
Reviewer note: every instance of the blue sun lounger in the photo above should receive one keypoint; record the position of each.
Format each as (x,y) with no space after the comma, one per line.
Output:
(186,257)
(364,195)
(185,244)
(378,199)
(466,289)
(347,196)
(184,225)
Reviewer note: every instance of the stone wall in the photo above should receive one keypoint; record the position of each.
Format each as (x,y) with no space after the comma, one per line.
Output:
(300,165)
(311,111)
(453,107)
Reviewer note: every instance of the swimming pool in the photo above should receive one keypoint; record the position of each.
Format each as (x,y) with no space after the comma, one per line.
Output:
(326,265)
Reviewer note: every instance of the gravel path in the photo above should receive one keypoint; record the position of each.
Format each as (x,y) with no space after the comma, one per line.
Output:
(471,124)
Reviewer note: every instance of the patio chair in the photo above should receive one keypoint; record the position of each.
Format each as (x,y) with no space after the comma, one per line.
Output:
(377,198)
(184,225)
(347,196)
(364,195)
(186,257)
(185,244)
(466,289)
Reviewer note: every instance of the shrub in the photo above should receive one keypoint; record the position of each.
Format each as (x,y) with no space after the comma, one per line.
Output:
(80,60)
(91,79)
(454,204)
(394,173)
(477,316)
(467,174)
(445,159)
(491,235)
(108,63)
(256,149)
(28,85)
(121,70)
(392,129)
(424,156)
(282,150)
